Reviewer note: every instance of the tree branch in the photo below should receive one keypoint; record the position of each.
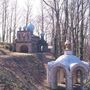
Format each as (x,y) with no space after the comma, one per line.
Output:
(48,4)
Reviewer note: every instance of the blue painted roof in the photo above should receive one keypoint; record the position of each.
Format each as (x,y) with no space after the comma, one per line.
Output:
(30,27)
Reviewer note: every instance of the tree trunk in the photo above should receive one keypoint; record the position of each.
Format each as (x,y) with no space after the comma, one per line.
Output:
(81,34)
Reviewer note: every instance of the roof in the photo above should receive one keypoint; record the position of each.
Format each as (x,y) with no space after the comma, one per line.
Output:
(68,60)
(30,27)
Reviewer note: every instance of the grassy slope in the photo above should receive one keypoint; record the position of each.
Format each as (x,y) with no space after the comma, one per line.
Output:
(22,71)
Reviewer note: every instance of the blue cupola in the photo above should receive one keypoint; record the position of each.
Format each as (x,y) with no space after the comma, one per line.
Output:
(30,27)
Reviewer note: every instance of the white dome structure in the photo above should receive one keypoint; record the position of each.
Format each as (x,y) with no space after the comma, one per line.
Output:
(69,60)
(67,69)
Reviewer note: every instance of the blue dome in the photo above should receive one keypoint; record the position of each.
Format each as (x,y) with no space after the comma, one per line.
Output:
(30,27)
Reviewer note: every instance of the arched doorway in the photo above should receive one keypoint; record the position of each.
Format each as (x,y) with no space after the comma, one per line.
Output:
(78,76)
(24,49)
(60,78)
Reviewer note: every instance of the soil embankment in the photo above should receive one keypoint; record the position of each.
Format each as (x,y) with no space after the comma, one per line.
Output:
(21,71)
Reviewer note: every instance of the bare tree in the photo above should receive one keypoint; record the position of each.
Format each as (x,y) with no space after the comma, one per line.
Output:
(10,24)
(42,15)
(55,6)
(15,20)
(4,18)
(28,11)
(66,32)
(89,15)
(71,23)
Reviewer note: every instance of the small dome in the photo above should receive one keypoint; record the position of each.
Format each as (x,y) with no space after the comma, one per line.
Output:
(24,28)
(30,27)
(42,33)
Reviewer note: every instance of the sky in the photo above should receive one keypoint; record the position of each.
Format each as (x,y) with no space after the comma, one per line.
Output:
(21,4)
(35,4)
(36,9)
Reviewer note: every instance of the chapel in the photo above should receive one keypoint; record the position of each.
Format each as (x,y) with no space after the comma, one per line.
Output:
(67,71)
(27,42)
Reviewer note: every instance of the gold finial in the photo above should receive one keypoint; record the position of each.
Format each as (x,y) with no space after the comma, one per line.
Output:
(67,45)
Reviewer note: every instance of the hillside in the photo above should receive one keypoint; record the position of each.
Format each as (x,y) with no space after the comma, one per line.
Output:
(20,71)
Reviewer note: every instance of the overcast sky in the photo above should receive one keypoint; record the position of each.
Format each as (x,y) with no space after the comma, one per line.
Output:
(36,9)
(35,4)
